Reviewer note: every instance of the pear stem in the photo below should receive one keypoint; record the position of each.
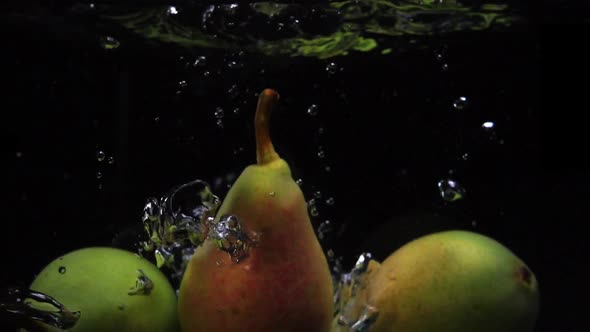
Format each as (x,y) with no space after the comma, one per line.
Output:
(265,151)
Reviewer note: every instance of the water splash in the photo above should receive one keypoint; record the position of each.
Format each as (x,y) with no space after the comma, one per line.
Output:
(143,285)
(229,236)
(292,29)
(29,305)
(177,223)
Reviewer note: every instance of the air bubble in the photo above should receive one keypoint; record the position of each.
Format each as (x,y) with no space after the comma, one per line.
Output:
(236,111)
(299,182)
(219,113)
(460,103)
(219,123)
(200,61)
(450,190)
(62,270)
(330,201)
(323,228)
(98,175)
(465,156)
(321,154)
(312,110)
(332,68)
(172,10)
(110,160)
(109,43)
(182,84)
(100,155)
(317,194)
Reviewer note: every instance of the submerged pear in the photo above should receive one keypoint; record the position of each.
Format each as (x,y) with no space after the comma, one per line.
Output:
(282,282)
(452,281)
(112,289)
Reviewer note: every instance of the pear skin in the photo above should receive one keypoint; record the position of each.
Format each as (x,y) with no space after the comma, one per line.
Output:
(284,284)
(453,281)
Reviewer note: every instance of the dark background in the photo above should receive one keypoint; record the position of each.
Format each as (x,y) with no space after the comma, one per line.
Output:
(390,133)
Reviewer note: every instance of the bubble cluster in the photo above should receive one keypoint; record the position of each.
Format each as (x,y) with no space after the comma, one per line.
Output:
(229,236)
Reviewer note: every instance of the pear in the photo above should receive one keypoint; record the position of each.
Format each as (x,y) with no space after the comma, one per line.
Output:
(284,282)
(452,281)
(112,289)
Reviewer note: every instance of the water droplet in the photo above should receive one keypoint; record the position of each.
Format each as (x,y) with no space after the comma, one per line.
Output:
(330,201)
(109,43)
(62,270)
(172,10)
(111,160)
(219,123)
(488,125)
(143,285)
(200,61)
(299,182)
(100,155)
(460,103)
(450,190)
(219,113)
(98,175)
(323,228)
(333,68)
(312,110)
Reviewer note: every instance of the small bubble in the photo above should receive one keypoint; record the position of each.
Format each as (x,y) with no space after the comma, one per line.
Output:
(317,194)
(219,113)
(465,156)
(445,67)
(236,111)
(19,154)
(323,228)
(330,254)
(488,125)
(157,119)
(328,168)
(98,175)
(332,68)
(272,193)
(321,154)
(330,201)
(234,65)
(321,130)
(474,223)
(219,123)
(100,186)
(460,103)
(207,73)
(312,110)
(100,155)
(172,10)
(182,84)
(109,43)
(200,61)
(111,160)
(62,270)
(313,211)
(450,190)
(299,182)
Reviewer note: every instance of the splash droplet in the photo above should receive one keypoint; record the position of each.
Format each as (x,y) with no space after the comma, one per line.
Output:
(312,110)
(100,155)
(450,190)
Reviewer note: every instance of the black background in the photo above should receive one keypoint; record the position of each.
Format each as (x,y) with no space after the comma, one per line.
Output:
(388,140)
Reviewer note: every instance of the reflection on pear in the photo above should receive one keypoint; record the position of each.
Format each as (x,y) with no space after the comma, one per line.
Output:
(282,281)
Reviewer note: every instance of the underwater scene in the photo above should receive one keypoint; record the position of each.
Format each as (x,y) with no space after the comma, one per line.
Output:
(302,165)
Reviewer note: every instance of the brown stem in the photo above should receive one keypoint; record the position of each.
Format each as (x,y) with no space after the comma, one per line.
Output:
(265,152)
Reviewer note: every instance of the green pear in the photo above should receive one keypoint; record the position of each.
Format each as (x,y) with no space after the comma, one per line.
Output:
(452,281)
(284,282)
(113,289)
